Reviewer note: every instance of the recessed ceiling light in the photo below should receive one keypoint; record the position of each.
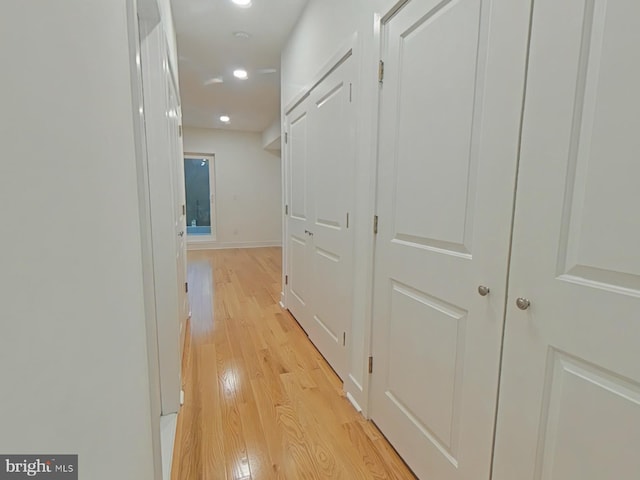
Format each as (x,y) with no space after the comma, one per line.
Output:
(242,34)
(242,3)
(225,118)
(240,73)
(214,80)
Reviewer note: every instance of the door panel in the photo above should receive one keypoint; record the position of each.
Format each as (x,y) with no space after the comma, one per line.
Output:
(299,269)
(179,201)
(570,391)
(298,167)
(428,332)
(161,110)
(332,163)
(436,71)
(321,159)
(298,224)
(448,135)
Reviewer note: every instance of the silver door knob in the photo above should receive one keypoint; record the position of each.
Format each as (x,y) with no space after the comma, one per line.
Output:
(484,291)
(522,303)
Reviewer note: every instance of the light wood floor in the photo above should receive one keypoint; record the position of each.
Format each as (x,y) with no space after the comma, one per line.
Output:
(260,402)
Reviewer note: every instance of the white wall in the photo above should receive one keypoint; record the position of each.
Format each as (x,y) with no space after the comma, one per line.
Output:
(247,186)
(308,50)
(272,135)
(73,361)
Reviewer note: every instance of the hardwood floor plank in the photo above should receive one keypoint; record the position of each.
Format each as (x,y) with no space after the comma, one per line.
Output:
(261,403)
(257,452)
(212,447)
(372,459)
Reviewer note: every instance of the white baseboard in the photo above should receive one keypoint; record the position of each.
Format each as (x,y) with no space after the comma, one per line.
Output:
(225,245)
(168,424)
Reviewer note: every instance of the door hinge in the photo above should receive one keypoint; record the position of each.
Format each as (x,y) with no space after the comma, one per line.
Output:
(375,224)
(381,71)
(286,137)
(347,219)
(286,279)
(286,209)
(180,131)
(186,287)
(350,92)
(184,209)
(344,338)
(370,364)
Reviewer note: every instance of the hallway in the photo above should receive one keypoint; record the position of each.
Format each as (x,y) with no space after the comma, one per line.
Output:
(260,401)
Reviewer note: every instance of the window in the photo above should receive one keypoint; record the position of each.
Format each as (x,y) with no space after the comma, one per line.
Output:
(198,180)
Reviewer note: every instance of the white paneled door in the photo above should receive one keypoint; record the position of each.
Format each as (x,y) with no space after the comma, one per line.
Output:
(570,393)
(298,218)
(331,181)
(451,99)
(166,198)
(179,205)
(321,156)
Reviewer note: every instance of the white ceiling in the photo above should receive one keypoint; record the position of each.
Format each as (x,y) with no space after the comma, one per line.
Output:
(207,48)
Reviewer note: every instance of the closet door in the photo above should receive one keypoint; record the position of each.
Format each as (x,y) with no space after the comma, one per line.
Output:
(450,108)
(298,242)
(331,181)
(570,388)
(174,117)
(321,167)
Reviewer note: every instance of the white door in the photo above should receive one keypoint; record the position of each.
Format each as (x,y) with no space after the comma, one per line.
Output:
(164,160)
(450,107)
(175,136)
(331,182)
(299,276)
(321,156)
(570,388)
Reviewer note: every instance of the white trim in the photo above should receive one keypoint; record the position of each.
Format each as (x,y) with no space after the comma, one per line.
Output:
(224,245)
(353,402)
(355,382)
(369,75)
(284,175)
(168,424)
(141,15)
(195,239)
